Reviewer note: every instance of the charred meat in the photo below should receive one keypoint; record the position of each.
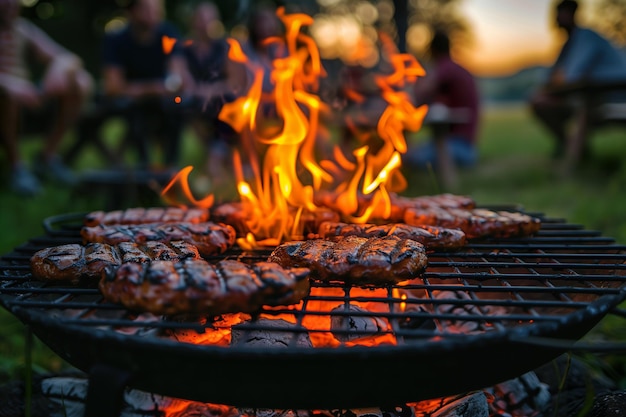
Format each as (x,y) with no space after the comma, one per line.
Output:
(432,237)
(355,260)
(210,238)
(399,204)
(196,286)
(141,215)
(476,223)
(72,262)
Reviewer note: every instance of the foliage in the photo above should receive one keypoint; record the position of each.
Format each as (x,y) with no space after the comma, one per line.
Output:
(609,19)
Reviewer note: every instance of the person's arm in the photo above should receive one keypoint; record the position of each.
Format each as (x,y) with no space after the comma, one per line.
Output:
(114,84)
(580,58)
(61,64)
(426,87)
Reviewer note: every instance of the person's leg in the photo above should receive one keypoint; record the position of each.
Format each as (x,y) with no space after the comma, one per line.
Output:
(68,105)
(173,119)
(21,180)
(423,156)
(554,114)
(137,119)
(464,154)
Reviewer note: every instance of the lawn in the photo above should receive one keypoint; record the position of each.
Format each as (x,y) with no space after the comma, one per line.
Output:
(515,167)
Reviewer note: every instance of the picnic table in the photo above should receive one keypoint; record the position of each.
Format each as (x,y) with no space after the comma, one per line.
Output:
(596,104)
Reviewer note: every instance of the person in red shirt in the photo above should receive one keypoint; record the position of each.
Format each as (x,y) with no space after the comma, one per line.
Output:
(448,84)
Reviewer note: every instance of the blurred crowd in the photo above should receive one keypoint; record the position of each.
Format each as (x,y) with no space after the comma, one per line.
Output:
(160,79)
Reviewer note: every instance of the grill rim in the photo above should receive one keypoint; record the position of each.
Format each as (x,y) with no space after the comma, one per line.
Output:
(52,332)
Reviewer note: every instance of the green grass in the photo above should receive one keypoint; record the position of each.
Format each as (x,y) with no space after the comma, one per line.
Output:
(515,167)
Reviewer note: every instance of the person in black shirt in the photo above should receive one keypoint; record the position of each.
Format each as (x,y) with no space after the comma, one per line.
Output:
(145,76)
(206,54)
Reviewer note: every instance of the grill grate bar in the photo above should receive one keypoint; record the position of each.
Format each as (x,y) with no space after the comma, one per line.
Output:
(482,276)
(59,303)
(559,265)
(168,325)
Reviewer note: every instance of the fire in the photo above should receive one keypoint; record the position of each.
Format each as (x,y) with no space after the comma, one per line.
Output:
(277,167)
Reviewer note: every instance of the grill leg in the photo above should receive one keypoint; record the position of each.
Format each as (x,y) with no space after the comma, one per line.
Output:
(105,395)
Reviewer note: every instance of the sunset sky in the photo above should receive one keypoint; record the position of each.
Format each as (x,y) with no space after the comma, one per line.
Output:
(511,34)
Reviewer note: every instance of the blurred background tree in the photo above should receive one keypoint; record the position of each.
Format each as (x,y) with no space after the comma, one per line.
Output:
(609,19)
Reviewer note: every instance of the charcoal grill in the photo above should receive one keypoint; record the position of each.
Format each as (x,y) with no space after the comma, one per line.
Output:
(480,316)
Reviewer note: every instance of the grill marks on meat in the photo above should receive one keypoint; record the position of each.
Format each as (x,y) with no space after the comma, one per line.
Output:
(432,237)
(195,286)
(72,262)
(210,238)
(355,260)
(476,223)
(141,215)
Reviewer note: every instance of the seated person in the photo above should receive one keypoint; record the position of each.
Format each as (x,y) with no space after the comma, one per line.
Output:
(64,87)
(206,54)
(449,84)
(586,55)
(143,77)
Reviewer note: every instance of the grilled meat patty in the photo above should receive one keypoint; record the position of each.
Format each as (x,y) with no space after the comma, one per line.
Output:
(355,260)
(399,204)
(141,215)
(72,262)
(432,237)
(196,286)
(476,223)
(210,238)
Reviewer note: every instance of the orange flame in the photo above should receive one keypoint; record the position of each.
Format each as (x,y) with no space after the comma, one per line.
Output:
(182,179)
(277,168)
(276,149)
(167,44)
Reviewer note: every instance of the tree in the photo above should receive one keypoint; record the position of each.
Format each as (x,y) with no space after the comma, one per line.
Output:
(608,17)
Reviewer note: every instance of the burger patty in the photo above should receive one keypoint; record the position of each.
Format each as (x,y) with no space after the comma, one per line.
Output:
(195,286)
(141,215)
(432,237)
(476,223)
(355,260)
(210,238)
(72,262)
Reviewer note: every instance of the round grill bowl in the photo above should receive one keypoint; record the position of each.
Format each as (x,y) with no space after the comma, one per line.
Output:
(555,285)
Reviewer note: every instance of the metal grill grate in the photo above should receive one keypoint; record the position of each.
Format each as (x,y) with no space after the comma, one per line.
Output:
(493,294)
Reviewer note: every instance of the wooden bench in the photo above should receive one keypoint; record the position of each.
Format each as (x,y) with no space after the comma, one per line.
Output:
(594,108)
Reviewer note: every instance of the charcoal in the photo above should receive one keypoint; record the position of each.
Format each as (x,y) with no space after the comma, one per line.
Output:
(264,335)
(268,412)
(522,396)
(464,308)
(350,327)
(471,405)
(399,411)
(610,404)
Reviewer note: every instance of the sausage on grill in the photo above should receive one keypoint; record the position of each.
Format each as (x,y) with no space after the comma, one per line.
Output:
(196,286)
(476,223)
(210,238)
(432,237)
(355,260)
(72,262)
(141,215)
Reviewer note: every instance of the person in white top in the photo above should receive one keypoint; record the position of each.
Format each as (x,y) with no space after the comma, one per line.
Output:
(65,82)
(585,56)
